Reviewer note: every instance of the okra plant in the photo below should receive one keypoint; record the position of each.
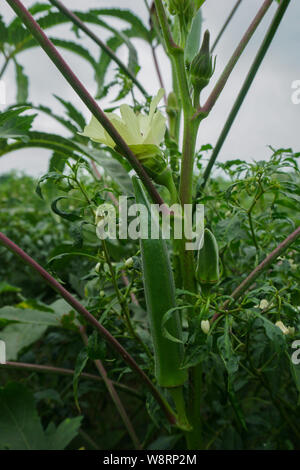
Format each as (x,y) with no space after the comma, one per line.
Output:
(209,332)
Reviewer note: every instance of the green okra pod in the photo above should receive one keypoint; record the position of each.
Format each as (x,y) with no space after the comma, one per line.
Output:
(160,298)
(207,268)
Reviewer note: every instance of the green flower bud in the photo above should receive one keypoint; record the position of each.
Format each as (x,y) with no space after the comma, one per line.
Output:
(202,66)
(207,269)
(172,105)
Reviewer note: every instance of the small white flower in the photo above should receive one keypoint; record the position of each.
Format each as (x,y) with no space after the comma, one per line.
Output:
(282,327)
(97,267)
(129,262)
(205,326)
(263,304)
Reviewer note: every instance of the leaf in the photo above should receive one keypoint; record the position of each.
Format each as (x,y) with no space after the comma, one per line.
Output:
(65,215)
(230,359)
(12,125)
(18,336)
(20,425)
(273,333)
(33,317)
(59,438)
(72,112)
(22,84)
(126,15)
(111,165)
(193,39)
(57,162)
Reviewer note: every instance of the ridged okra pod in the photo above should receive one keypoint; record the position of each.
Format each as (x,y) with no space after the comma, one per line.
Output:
(207,268)
(160,298)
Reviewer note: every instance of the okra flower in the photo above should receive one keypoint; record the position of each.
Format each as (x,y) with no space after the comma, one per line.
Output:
(142,133)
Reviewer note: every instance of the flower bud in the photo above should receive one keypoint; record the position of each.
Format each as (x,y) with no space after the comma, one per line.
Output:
(205,326)
(202,66)
(172,105)
(129,263)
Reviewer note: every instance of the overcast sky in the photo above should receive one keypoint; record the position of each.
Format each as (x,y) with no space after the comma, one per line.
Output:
(268,116)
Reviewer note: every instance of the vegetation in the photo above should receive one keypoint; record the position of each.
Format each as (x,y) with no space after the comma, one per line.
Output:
(128,343)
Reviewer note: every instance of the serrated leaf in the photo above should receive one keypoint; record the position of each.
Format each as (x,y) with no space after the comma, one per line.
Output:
(13,126)
(22,84)
(18,336)
(20,425)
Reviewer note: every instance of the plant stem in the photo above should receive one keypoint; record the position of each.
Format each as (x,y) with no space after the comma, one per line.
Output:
(94,322)
(246,86)
(211,100)
(239,291)
(7,59)
(170,44)
(113,394)
(85,96)
(70,372)
(81,25)
(231,15)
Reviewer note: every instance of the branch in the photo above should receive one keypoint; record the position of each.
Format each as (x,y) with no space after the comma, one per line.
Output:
(239,291)
(74,18)
(70,372)
(93,321)
(83,94)
(246,86)
(113,394)
(231,15)
(211,101)
(171,46)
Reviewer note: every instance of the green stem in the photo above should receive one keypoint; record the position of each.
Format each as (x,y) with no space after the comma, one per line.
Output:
(77,21)
(246,86)
(178,398)
(84,95)
(194,438)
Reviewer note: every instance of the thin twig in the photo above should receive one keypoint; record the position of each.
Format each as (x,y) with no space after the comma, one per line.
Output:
(211,100)
(159,75)
(80,24)
(84,95)
(62,371)
(246,86)
(243,287)
(231,15)
(113,393)
(94,322)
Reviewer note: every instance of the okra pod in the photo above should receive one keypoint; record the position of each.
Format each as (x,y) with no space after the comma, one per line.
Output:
(160,298)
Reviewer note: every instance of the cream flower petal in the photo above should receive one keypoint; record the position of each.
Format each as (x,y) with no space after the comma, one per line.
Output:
(132,125)
(155,102)
(157,130)
(95,131)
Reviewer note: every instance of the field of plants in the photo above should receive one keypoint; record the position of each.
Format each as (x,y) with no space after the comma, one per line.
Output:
(128,342)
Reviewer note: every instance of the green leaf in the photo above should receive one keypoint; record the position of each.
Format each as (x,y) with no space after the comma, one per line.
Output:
(33,317)
(193,39)
(19,336)
(22,84)
(65,215)
(20,425)
(12,125)
(126,15)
